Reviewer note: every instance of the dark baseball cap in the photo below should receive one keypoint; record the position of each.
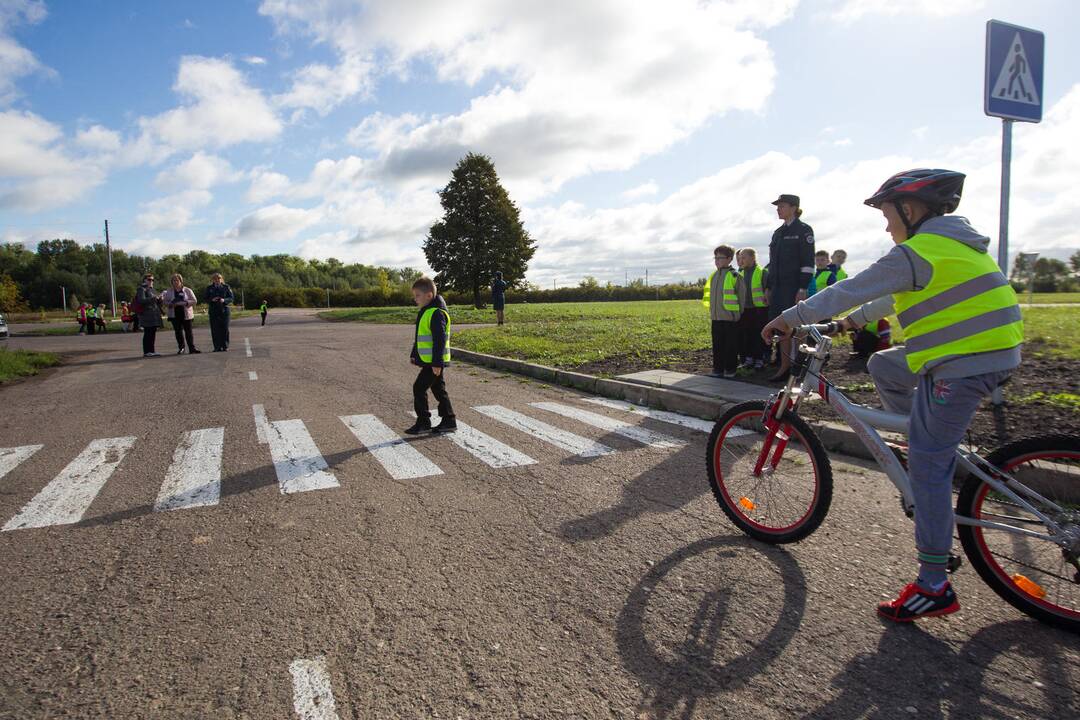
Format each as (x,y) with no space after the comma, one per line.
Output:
(789,199)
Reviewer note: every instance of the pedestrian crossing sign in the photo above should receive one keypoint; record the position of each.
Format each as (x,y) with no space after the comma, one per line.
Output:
(1014,72)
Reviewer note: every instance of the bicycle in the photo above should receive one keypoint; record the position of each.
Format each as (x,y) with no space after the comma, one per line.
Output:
(1017,512)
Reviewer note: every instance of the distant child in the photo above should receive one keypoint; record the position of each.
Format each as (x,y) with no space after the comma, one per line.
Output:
(262,311)
(431,351)
(839,257)
(125,317)
(721,299)
(81,316)
(871,338)
(822,277)
(754,307)
(91,319)
(100,318)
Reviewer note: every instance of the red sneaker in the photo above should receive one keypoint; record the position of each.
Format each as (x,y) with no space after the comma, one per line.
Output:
(915,603)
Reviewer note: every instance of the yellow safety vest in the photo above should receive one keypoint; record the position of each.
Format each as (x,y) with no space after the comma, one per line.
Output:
(968,307)
(757,288)
(730,299)
(424,344)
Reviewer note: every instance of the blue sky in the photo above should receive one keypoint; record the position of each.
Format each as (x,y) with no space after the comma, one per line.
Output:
(632,134)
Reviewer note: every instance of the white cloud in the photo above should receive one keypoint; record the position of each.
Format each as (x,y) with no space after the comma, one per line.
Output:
(322,88)
(221,109)
(266,184)
(172,212)
(643,190)
(15,60)
(852,10)
(98,138)
(37,170)
(254,60)
(273,222)
(920,132)
(156,247)
(842,142)
(584,87)
(199,172)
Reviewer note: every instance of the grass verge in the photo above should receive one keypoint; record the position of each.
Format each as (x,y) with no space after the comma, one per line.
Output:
(20,363)
(72,328)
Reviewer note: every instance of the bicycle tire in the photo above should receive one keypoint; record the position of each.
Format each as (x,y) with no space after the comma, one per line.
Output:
(817,508)
(969,503)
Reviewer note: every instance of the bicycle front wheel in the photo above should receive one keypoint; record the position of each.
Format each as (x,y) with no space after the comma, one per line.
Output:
(775,486)
(1036,576)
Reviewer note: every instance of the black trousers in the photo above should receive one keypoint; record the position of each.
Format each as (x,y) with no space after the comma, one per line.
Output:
(219,329)
(263,318)
(725,346)
(91,326)
(428,380)
(182,328)
(751,346)
(149,334)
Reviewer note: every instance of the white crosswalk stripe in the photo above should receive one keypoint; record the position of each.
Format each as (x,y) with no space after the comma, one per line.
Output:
(484,447)
(542,431)
(64,500)
(666,416)
(11,458)
(194,478)
(313,697)
(260,423)
(299,465)
(401,460)
(247,347)
(619,427)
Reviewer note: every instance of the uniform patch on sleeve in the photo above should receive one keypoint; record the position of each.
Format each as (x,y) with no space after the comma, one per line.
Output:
(810,239)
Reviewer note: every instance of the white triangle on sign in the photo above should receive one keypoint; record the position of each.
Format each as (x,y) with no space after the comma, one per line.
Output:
(1015,81)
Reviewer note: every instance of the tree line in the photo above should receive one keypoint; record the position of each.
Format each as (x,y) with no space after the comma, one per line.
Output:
(34,278)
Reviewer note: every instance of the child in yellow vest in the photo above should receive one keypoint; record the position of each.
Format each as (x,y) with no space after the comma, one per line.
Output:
(431,351)
(721,299)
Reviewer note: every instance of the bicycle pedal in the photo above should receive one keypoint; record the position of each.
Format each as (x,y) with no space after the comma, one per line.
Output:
(955,563)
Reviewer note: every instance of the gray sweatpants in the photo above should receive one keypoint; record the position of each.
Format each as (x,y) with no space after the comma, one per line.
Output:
(940,411)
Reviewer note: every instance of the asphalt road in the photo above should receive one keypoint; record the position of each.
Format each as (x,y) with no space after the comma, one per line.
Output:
(363,578)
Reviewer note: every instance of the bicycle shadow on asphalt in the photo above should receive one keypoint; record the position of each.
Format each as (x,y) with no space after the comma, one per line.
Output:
(244,483)
(912,668)
(666,487)
(679,673)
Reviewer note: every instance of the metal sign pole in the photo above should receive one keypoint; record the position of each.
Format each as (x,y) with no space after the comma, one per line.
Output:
(108,256)
(998,397)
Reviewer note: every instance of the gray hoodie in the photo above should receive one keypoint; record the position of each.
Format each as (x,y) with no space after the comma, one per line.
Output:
(901,270)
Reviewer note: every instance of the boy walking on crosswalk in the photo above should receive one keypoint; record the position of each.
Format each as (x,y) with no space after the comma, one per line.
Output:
(431,351)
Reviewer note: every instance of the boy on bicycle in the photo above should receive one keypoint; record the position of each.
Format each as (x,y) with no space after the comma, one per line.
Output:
(963,332)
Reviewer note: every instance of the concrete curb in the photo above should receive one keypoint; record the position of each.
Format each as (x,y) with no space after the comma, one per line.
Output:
(834,436)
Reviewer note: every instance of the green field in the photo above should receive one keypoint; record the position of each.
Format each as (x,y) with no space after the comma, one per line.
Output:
(571,334)
(20,363)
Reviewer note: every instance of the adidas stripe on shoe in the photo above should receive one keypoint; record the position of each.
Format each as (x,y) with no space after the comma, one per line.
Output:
(915,603)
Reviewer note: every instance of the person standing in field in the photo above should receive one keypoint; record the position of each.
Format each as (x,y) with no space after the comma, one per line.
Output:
(721,299)
(81,317)
(263,309)
(219,297)
(498,295)
(791,265)
(754,308)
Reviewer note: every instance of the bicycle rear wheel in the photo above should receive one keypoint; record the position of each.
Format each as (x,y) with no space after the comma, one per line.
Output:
(787,498)
(1031,574)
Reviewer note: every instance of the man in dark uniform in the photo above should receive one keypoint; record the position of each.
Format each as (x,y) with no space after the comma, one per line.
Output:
(791,265)
(219,297)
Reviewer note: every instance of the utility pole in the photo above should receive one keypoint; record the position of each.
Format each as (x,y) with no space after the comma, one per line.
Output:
(242,305)
(327,298)
(108,257)
(63,293)
(646,277)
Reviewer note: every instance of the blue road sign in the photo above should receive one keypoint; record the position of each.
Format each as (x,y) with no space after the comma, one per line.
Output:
(1014,72)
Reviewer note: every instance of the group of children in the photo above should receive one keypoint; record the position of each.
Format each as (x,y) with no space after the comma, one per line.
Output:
(91,319)
(739,309)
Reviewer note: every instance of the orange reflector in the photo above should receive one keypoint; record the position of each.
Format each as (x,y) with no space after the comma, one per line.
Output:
(747,503)
(1029,586)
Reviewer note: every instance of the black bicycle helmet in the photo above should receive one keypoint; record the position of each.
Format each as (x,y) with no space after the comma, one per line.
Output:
(940,189)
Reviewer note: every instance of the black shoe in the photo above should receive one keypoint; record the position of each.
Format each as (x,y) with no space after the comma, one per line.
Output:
(193,351)
(781,377)
(447,425)
(180,351)
(420,426)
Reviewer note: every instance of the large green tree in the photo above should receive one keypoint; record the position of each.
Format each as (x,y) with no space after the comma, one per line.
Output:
(480,232)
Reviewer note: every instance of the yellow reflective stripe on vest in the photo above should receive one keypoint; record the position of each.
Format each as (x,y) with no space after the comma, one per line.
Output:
(425,345)
(757,291)
(967,308)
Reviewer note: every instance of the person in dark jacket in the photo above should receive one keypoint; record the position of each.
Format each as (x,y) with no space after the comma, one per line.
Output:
(791,265)
(219,297)
(498,296)
(431,352)
(148,313)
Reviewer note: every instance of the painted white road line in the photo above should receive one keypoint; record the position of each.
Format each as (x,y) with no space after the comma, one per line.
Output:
(662,415)
(64,500)
(400,459)
(313,698)
(247,347)
(260,423)
(252,375)
(194,478)
(484,447)
(10,458)
(542,431)
(619,427)
(299,465)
